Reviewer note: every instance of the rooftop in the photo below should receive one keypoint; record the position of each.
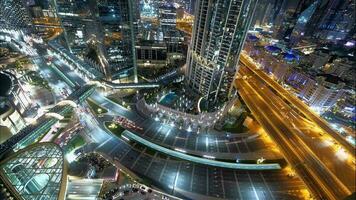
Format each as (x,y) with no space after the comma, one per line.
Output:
(332,78)
(36,172)
(273,49)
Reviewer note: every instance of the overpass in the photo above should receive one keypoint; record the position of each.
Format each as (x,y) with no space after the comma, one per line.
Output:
(32,132)
(199,160)
(167,76)
(129,85)
(83,67)
(296,103)
(316,162)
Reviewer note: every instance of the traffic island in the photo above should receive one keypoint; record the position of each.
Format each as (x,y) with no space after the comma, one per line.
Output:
(97,109)
(114,128)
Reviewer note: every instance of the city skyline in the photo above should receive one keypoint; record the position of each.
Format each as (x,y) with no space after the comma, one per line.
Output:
(177,99)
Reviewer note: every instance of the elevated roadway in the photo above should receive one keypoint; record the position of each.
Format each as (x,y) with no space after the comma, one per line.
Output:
(297,104)
(314,161)
(195,181)
(199,160)
(129,85)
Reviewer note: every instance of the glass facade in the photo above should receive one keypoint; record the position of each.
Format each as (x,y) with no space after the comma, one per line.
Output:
(117,19)
(219,32)
(35,173)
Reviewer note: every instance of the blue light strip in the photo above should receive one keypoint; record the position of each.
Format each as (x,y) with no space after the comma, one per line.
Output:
(199,160)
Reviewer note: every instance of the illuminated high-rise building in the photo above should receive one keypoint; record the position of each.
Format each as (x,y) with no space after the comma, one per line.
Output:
(219,33)
(119,23)
(168,17)
(333,20)
(112,24)
(288,16)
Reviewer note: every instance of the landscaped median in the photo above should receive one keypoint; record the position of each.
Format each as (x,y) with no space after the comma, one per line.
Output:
(97,109)
(114,128)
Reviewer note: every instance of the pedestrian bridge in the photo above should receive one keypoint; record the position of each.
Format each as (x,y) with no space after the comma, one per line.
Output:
(129,85)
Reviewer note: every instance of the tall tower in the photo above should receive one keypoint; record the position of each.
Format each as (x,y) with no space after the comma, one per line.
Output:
(220,29)
(118,19)
(127,9)
(288,17)
(334,20)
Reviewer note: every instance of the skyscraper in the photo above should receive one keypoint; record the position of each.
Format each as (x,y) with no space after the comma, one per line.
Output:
(76,19)
(333,20)
(118,19)
(127,10)
(219,32)
(168,17)
(288,17)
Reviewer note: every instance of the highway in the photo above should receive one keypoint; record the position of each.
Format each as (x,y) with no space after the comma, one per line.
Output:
(315,162)
(249,186)
(193,180)
(297,103)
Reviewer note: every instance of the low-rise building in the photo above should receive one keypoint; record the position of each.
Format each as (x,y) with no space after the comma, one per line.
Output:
(322,92)
(343,68)
(318,59)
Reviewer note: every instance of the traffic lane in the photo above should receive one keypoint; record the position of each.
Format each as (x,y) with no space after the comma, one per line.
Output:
(158,168)
(303,173)
(293,138)
(327,155)
(55,82)
(308,150)
(342,169)
(303,154)
(69,72)
(288,153)
(301,106)
(115,108)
